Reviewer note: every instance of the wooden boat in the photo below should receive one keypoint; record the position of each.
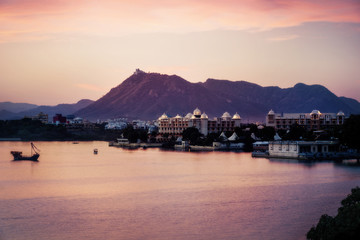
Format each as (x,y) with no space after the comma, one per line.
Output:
(33,157)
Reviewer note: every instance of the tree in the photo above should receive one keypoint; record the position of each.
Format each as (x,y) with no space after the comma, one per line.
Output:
(142,135)
(210,138)
(345,225)
(351,132)
(267,133)
(130,133)
(295,133)
(134,134)
(191,134)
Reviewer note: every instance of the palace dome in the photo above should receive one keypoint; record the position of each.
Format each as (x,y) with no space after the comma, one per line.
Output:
(236,116)
(226,115)
(164,116)
(315,112)
(340,113)
(178,116)
(271,112)
(188,116)
(204,116)
(197,111)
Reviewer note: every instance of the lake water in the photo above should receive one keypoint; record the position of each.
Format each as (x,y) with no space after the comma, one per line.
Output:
(153,194)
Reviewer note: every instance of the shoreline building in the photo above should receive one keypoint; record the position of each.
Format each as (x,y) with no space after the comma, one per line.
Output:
(311,121)
(304,149)
(176,125)
(59,119)
(42,117)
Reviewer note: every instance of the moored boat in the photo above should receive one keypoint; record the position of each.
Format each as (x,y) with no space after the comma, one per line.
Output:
(33,157)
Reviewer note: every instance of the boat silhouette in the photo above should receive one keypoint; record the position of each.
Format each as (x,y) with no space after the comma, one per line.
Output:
(33,157)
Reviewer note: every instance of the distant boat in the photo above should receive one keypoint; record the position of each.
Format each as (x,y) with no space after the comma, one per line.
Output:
(33,157)
(95,151)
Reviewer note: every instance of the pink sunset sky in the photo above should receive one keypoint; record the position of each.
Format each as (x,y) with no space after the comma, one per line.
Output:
(62,51)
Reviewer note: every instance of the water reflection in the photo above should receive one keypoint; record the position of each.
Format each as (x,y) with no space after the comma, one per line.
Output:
(153,194)
(307,163)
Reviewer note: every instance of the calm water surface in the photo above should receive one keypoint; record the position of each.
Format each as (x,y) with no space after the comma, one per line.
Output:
(152,194)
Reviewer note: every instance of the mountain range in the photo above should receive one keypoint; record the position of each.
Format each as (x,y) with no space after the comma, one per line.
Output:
(10,110)
(148,95)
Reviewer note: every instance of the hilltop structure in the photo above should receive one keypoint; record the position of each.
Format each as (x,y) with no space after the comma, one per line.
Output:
(176,125)
(311,121)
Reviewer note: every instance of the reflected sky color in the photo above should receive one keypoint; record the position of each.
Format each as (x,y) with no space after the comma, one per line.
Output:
(152,194)
(61,51)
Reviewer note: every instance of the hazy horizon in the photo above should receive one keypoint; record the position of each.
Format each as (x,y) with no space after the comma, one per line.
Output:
(63,51)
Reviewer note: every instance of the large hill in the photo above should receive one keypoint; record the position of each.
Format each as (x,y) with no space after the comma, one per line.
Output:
(148,95)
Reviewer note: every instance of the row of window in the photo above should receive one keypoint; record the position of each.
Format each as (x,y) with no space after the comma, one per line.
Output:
(333,121)
(186,125)
(286,147)
(177,130)
(173,125)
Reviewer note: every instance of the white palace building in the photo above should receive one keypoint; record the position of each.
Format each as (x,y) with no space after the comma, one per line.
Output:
(176,125)
(311,121)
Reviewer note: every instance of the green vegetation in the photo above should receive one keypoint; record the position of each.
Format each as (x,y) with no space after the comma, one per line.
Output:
(134,134)
(30,130)
(27,129)
(350,135)
(244,133)
(192,135)
(345,225)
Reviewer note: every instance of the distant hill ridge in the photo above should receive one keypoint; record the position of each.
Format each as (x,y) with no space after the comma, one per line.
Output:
(148,95)
(10,110)
(16,107)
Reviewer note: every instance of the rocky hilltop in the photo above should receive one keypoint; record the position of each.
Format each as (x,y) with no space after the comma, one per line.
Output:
(148,95)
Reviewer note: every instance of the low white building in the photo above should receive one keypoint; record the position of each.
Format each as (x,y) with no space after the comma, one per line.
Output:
(116,124)
(139,124)
(302,149)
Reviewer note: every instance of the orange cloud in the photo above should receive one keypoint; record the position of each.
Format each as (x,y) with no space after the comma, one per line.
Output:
(111,18)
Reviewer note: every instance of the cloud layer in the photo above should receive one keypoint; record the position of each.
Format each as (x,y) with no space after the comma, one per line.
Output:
(62,50)
(38,19)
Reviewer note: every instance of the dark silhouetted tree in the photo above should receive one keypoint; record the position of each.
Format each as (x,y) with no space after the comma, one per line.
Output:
(345,225)
(191,134)
(296,132)
(351,132)
(266,134)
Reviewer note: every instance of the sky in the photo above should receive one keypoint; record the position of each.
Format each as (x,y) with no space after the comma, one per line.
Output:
(61,51)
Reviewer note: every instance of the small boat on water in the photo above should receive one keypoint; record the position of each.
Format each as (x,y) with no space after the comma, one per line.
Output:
(95,151)
(33,157)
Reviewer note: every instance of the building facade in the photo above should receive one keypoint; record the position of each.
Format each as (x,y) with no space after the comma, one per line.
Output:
(303,149)
(311,121)
(42,117)
(176,125)
(59,119)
